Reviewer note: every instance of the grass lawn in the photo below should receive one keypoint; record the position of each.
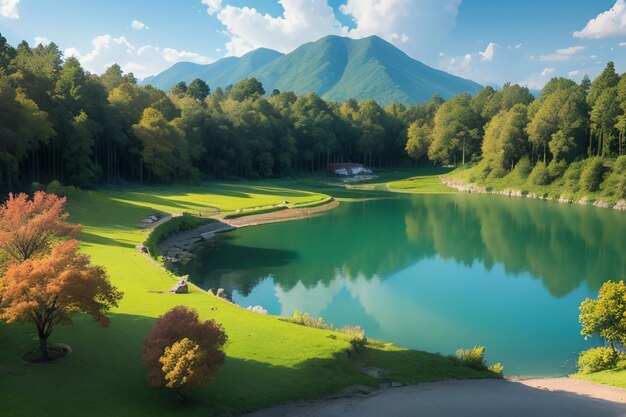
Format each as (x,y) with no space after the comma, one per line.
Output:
(615,377)
(269,361)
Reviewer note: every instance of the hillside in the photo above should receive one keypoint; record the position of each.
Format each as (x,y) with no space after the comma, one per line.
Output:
(221,73)
(334,67)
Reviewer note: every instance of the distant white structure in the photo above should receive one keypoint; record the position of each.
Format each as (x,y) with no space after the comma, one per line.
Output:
(349,169)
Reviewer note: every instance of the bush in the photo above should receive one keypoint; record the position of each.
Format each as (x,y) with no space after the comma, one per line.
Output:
(522,170)
(597,359)
(303,319)
(174,225)
(181,350)
(615,183)
(255,212)
(591,175)
(571,176)
(557,168)
(540,175)
(474,357)
(497,368)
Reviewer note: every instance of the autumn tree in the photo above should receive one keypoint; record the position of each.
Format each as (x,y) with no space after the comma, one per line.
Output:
(184,365)
(605,316)
(28,227)
(46,291)
(181,350)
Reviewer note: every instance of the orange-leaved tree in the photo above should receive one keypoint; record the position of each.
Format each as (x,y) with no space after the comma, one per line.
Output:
(46,290)
(28,227)
(181,350)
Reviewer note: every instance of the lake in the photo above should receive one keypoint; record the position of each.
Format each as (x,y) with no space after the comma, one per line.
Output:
(433,272)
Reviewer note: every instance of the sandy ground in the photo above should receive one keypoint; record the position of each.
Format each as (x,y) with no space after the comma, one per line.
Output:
(280,216)
(559,397)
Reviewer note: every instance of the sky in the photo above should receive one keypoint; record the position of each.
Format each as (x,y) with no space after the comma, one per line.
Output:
(489,41)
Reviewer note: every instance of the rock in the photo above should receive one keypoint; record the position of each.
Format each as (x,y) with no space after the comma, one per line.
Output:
(257,309)
(153,218)
(220,293)
(208,236)
(180,288)
(583,201)
(147,221)
(620,205)
(565,200)
(602,204)
(375,372)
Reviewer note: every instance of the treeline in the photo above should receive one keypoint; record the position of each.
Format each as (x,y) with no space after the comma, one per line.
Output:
(572,135)
(59,122)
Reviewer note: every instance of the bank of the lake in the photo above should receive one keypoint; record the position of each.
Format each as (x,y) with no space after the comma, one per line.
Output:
(269,361)
(471,179)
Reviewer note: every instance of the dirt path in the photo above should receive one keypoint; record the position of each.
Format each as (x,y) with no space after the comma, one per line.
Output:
(280,216)
(473,398)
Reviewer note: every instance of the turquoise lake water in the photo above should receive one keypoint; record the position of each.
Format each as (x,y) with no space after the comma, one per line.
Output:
(433,272)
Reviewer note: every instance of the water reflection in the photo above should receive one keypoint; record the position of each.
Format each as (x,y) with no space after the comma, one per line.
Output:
(433,272)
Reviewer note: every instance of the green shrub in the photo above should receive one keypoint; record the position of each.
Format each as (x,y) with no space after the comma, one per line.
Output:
(522,169)
(497,368)
(474,357)
(591,175)
(304,319)
(557,168)
(615,183)
(254,212)
(174,225)
(597,359)
(540,175)
(571,176)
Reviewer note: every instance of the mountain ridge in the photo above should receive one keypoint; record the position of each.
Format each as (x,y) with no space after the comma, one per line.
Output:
(336,68)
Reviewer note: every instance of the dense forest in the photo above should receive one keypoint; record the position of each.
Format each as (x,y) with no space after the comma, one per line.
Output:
(57,121)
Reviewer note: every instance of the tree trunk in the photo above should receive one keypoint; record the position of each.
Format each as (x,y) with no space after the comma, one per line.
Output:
(43,345)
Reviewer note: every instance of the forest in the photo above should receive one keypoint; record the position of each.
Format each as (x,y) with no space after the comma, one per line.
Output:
(60,122)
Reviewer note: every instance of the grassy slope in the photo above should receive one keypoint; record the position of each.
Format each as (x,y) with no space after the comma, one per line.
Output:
(615,377)
(554,190)
(269,361)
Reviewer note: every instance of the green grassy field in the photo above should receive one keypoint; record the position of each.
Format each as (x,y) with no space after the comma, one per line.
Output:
(615,377)
(269,361)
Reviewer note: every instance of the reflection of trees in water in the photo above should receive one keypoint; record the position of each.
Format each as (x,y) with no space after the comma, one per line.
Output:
(561,245)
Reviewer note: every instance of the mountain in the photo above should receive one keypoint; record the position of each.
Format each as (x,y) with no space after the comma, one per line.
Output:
(334,67)
(221,73)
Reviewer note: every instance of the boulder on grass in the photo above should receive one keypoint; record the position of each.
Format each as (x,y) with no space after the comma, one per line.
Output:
(181,287)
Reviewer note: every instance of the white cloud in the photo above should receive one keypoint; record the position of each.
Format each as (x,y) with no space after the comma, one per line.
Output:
(142,61)
(562,54)
(8,8)
(538,80)
(415,26)
(519,45)
(622,44)
(302,21)
(474,65)
(489,52)
(460,65)
(41,40)
(606,24)
(213,6)
(573,74)
(136,24)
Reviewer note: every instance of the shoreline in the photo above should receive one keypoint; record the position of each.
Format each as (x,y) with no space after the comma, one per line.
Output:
(585,201)
(178,247)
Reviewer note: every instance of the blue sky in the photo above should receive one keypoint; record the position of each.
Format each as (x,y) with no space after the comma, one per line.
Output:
(489,41)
